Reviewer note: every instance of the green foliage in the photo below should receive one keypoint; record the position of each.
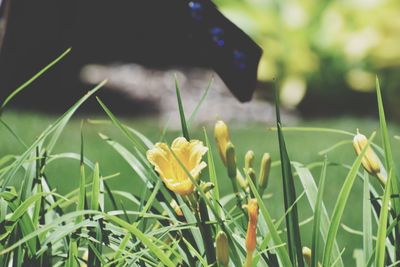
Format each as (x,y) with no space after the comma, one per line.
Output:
(97,225)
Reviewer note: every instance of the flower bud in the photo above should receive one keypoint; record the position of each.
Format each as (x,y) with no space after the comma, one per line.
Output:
(370,160)
(307,256)
(248,159)
(265,169)
(251,235)
(252,175)
(222,249)
(231,160)
(176,208)
(206,186)
(221,133)
(252,208)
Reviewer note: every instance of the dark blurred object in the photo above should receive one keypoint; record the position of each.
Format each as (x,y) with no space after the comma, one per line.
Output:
(154,33)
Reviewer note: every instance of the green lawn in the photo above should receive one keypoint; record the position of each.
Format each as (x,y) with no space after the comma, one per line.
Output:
(302,146)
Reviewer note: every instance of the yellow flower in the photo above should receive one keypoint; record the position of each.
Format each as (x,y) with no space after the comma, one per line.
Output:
(174,176)
(221,133)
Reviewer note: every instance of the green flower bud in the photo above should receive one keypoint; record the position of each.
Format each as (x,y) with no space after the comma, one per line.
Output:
(206,187)
(252,175)
(231,160)
(222,249)
(265,169)
(248,159)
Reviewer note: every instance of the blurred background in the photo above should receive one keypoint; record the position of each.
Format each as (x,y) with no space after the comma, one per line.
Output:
(326,54)
(322,55)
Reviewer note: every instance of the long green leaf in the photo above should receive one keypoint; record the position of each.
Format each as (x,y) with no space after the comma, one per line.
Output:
(317,216)
(389,164)
(382,226)
(201,101)
(311,190)
(185,130)
(289,193)
(341,204)
(367,221)
(95,188)
(34,77)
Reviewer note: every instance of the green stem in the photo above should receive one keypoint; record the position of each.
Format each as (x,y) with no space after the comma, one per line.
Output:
(249,259)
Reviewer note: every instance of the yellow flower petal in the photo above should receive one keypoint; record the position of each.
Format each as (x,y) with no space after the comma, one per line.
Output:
(170,170)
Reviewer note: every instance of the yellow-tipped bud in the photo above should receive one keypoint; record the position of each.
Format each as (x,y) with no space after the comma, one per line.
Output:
(248,159)
(251,241)
(265,169)
(307,256)
(231,160)
(370,161)
(221,133)
(222,249)
(251,235)
(176,208)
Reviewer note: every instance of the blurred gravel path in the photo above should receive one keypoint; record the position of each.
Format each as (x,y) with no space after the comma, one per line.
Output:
(157,87)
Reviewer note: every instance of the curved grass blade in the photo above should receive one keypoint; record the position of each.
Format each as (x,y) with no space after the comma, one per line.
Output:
(310,187)
(136,142)
(34,77)
(143,238)
(60,122)
(340,205)
(389,164)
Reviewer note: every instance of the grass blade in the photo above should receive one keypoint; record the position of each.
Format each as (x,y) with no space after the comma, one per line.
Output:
(382,226)
(15,166)
(340,205)
(317,216)
(289,192)
(34,77)
(367,221)
(185,130)
(311,190)
(389,164)
(200,103)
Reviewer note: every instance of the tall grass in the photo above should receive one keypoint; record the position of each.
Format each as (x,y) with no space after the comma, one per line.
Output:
(92,225)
